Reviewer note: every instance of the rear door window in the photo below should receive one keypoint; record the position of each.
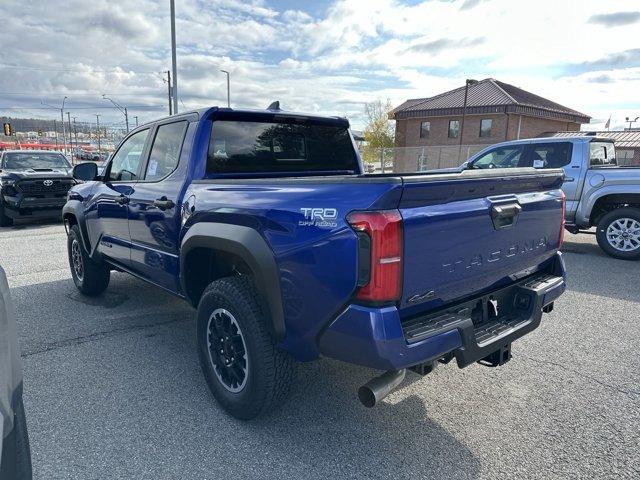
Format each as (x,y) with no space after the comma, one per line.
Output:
(259,147)
(550,155)
(165,152)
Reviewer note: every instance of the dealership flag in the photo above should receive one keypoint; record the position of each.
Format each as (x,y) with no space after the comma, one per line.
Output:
(608,124)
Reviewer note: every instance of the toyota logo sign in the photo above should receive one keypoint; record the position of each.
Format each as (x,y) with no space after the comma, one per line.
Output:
(47,183)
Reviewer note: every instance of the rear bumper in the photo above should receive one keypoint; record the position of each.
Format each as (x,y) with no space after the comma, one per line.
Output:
(378,338)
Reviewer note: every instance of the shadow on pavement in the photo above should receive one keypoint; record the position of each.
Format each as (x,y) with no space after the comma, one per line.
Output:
(590,270)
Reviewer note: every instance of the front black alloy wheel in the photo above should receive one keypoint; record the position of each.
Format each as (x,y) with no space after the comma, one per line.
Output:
(90,276)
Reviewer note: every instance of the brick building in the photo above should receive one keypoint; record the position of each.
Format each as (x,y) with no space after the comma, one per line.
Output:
(495,112)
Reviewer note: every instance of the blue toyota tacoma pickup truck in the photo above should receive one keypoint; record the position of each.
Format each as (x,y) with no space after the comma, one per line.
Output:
(265,222)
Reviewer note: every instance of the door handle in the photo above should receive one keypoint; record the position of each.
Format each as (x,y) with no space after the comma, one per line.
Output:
(568,179)
(163,203)
(122,200)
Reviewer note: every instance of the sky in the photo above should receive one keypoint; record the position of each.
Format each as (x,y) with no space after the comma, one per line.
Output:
(329,57)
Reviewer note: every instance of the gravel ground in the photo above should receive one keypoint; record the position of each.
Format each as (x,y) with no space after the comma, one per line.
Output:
(113,390)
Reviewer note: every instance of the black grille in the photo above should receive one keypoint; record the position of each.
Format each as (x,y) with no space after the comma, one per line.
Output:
(45,186)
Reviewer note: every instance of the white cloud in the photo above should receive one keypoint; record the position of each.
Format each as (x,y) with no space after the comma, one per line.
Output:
(356,52)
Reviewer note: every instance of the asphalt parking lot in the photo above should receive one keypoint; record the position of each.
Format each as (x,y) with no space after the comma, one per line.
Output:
(113,390)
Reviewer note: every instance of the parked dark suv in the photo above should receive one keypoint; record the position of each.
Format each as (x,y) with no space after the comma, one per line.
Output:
(33,184)
(15,458)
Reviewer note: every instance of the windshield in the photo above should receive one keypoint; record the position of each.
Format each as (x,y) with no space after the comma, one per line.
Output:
(257,147)
(26,160)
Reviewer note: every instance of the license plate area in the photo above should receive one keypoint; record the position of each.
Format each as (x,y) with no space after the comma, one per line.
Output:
(486,317)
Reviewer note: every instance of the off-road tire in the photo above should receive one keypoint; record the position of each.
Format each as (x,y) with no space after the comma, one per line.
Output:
(94,276)
(270,371)
(604,223)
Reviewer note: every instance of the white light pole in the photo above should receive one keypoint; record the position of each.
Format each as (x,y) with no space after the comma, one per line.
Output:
(122,109)
(174,66)
(228,89)
(64,140)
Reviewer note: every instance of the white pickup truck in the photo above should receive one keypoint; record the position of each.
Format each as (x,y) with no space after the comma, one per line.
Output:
(599,192)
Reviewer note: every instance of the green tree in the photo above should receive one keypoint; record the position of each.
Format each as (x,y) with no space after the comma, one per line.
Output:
(379,132)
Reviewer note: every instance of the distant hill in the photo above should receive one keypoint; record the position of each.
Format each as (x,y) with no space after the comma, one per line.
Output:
(35,124)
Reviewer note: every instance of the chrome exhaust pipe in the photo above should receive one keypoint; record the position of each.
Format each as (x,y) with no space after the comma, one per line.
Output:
(378,388)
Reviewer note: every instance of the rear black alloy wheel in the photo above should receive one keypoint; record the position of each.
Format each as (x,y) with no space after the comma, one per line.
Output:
(246,371)
(227,350)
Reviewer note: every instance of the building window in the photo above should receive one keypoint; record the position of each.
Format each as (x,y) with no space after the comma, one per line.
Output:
(425,128)
(454,128)
(485,127)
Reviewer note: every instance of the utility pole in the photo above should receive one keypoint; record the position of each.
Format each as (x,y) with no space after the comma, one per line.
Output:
(464,112)
(98,131)
(136,117)
(75,131)
(173,56)
(55,132)
(168,80)
(228,89)
(64,140)
(69,124)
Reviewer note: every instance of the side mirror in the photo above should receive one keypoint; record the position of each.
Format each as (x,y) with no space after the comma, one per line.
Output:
(85,172)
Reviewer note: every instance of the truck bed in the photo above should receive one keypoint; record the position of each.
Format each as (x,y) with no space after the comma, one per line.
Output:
(452,247)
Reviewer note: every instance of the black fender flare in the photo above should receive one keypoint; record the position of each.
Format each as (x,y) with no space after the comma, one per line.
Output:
(75,209)
(248,244)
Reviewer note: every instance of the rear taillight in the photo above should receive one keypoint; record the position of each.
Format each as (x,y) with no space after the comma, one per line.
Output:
(379,256)
(564,209)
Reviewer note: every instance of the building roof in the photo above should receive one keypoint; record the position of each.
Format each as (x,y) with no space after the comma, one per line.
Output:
(487,96)
(622,138)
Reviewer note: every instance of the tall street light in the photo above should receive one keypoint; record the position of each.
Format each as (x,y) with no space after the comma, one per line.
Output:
(64,140)
(228,89)
(174,66)
(467,83)
(122,109)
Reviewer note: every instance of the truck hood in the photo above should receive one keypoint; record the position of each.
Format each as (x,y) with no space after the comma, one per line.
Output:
(35,174)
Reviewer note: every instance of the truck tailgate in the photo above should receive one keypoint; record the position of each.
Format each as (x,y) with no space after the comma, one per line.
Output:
(466,233)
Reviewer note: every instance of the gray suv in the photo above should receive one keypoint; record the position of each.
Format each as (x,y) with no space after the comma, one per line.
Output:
(15,462)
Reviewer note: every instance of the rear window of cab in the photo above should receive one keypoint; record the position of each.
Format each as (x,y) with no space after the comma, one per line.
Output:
(262,147)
